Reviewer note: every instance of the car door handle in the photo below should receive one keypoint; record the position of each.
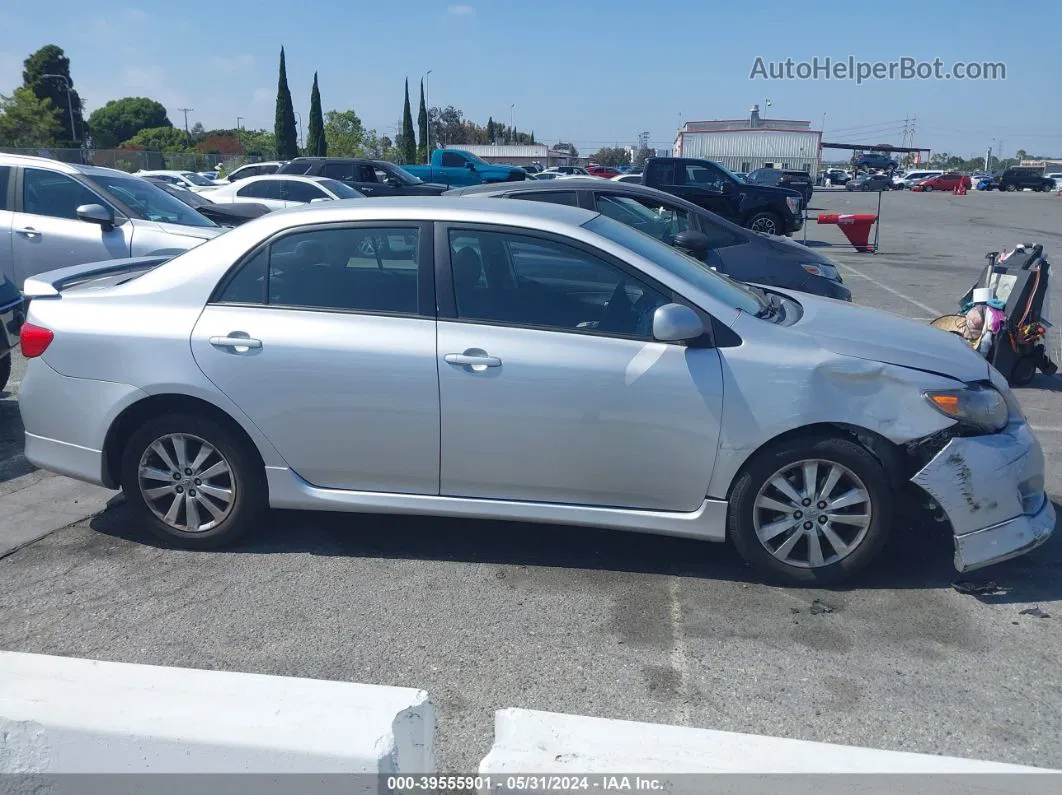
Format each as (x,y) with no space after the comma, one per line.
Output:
(466,360)
(29,232)
(235,342)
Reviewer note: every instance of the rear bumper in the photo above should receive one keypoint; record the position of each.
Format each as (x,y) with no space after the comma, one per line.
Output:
(992,490)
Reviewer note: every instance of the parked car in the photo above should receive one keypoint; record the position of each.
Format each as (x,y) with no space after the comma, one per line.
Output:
(189,180)
(227,214)
(1020,178)
(370,177)
(278,191)
(59,214)
(455,168)
(869,182)
(874,160)
(837,176)
(604,172)
(12,314)
(532,362)
(211,175)
(1057,177)
(774,211)
(724,246)
(568,171)
(253,170)
(909,178)
(800,181)
(948,181)
(632,178)
(985,183)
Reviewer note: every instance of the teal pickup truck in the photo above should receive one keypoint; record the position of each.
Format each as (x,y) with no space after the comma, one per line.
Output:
(457,169)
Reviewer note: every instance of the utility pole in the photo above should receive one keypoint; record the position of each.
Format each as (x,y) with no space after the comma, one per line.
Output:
(186,111)
(988,161)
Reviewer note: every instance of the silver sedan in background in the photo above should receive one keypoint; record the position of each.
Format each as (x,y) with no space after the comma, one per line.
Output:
(516,360)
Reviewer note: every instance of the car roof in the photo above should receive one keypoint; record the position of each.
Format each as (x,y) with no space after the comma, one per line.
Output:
(289,177)
(31,161)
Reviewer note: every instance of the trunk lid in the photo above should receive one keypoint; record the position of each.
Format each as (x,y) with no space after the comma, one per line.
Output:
(90,276)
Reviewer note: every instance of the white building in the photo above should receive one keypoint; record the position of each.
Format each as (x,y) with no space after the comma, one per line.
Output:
(747,144)
(517,154)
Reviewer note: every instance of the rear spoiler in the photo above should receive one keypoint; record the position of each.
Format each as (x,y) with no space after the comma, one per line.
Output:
(52,283)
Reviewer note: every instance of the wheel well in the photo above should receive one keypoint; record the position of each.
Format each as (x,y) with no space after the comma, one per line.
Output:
(887,452)
(135,415)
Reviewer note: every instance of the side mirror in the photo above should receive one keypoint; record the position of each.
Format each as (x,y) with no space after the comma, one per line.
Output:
(97,214)
(691,241)
(676,323)
(470,166)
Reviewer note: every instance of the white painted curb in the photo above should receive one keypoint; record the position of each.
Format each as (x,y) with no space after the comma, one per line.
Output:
(67,715)
(528,742)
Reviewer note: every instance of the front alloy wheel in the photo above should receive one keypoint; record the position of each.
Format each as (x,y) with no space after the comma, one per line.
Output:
(765,223)
(812,513)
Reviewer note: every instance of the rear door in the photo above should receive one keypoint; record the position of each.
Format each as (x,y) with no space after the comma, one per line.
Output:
(331,353)
(261,191)
(296,193)
(47,234)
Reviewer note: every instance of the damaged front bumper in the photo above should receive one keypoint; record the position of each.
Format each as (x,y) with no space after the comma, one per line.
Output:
(992,490)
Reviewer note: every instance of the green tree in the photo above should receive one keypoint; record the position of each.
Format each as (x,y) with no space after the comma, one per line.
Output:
(284,127)
(566,147)
(158,139)
(611,156)
(316,142)
(409,141)
(344,133)
(51,60)
(27,120)
(492,130)
(121,119)
(422,127)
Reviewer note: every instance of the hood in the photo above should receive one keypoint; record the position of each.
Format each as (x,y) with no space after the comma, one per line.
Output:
(194,232)
(425,188)
(853,330)
(769,190)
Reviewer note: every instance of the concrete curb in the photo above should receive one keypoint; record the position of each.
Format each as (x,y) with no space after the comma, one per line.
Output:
(63,715)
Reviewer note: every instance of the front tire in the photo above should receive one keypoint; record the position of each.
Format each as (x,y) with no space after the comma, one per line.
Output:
(928,188)
(193,481)
(812,510)
(1011,189)
(765,222)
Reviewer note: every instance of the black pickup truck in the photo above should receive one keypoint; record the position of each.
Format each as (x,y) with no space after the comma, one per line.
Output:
(775,211)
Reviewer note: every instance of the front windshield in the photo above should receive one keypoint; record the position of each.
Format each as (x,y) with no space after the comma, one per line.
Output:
(729,173)
(186,196)
(147,201)
(196,179)
(340,189)
(698,274)
(479,161)
(401,175)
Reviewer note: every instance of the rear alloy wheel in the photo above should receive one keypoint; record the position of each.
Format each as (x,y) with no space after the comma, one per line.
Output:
(811,510)
(193,481)
(765,222)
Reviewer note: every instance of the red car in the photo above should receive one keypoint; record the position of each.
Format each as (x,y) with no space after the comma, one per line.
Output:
(949,181)
(605,172)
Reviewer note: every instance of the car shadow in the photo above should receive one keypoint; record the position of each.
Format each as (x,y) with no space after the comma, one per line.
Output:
(916,558)
(1045,383)
(13,463)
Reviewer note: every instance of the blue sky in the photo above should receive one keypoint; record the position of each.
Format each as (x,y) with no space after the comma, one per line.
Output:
(593,72)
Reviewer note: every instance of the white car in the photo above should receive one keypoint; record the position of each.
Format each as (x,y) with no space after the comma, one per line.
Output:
(911,177)
(253,170)
(627,178)
(278,191)
(1057,177)
(189,180)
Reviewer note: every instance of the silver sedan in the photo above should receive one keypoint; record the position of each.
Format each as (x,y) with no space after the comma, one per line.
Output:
(515,360)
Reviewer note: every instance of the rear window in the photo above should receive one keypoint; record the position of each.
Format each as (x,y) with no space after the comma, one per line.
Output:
(5,180)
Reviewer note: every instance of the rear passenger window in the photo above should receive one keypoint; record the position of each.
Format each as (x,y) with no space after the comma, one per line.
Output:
(341,171)
(5,180)
(352,269)
(567,197)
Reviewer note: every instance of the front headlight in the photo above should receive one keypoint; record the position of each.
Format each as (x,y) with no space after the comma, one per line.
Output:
(794,204)
(823,270)
(982,407)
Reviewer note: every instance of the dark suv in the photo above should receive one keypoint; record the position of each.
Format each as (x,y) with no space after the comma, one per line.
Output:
(1019,178)
(371,177)
(773,211)
(800,181)
(876,160)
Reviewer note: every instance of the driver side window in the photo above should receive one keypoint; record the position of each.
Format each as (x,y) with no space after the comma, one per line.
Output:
(704,177)
(52,194)
(517,280)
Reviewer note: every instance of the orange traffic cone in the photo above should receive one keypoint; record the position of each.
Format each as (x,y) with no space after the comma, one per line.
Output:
(960,189)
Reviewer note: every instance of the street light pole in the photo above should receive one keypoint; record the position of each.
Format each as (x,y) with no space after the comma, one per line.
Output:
(512,122)
(427,131)
(69,101)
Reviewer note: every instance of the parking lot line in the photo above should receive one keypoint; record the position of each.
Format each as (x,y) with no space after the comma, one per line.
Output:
(680,659)
(924,307)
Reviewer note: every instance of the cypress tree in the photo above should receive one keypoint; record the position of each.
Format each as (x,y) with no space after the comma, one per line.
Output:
(316,145)
(409,140)
(491,130)
(284,126)
(422,127)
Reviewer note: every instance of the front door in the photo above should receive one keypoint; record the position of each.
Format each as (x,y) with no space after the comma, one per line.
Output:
(47,234)
(331,353)
(551,386)
(708,187)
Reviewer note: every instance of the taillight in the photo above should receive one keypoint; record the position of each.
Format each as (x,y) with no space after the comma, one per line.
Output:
(34,340)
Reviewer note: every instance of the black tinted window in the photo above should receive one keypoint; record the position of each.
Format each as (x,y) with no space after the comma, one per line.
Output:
(341,171)
(449,159)
(5,180)
(524,281)
(296,168)
(704,176)
(660,173)
(248,285)
(366,270)
(262,189)
(52,194)
(301,191)
(568,197)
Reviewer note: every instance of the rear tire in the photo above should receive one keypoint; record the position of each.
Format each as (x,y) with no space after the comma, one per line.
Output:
(193,481)
(1010,189)
(5,370)
(927,188)
(770,529)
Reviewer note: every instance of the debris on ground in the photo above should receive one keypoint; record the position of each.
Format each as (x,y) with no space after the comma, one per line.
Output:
(1035,612)
(985,588)
(818,607)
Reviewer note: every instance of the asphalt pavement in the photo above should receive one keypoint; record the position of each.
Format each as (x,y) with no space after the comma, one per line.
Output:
(489,614)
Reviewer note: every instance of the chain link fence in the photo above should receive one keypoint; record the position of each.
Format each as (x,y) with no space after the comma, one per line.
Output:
(136,160)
